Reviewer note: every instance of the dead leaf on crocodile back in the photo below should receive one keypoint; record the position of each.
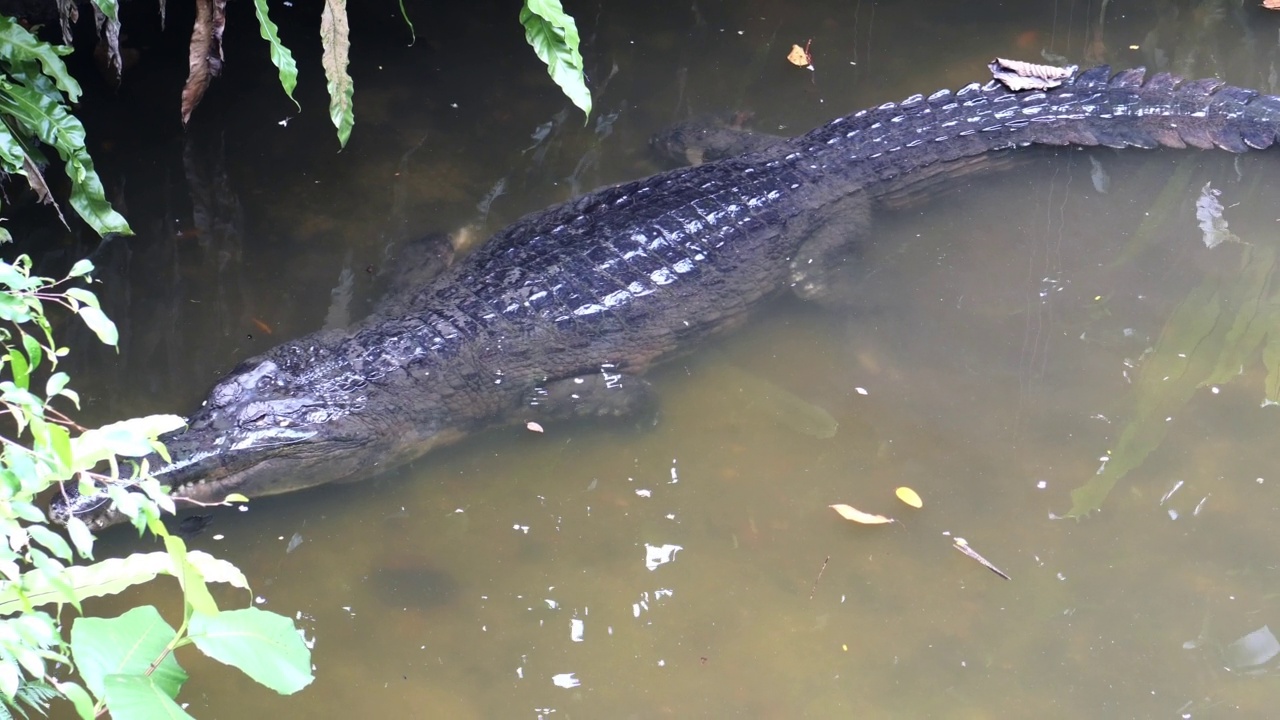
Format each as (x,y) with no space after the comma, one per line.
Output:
(1018,75)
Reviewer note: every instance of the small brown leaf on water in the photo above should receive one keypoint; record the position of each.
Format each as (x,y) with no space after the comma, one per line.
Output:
(533,426)
(909,496)
(800,57)
(849,512)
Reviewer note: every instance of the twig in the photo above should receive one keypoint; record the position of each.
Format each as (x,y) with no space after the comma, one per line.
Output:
(815,580)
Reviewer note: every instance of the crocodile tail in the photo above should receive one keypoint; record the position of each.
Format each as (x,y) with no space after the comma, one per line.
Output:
(1091,108)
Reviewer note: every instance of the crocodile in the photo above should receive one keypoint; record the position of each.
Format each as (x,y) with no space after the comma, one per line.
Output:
(560,314)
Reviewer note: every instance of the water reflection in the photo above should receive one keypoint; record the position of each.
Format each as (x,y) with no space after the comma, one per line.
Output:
(987,363)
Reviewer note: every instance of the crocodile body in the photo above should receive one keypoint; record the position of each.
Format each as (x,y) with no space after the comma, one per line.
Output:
(558,314)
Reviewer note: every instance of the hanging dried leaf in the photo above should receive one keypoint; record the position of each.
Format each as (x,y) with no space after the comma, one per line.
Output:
(107,52)
(36,180)
(204,61)
(909,496)
(963,546)
(68,15)
(337,47)
(852,513)
(1017,75)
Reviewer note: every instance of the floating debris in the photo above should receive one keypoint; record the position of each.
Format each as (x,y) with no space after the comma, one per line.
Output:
(800,56)
(909,496)
(534,427)
(655,556)
(565,680)
(849,512)
(963,546)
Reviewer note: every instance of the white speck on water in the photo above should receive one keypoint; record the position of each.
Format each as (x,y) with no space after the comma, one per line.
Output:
(655,556)
(576,628)
(565,680)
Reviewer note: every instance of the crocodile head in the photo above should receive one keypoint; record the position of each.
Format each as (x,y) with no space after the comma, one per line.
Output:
(290,419)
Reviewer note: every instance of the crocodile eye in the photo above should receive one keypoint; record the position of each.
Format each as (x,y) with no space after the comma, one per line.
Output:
(266,382)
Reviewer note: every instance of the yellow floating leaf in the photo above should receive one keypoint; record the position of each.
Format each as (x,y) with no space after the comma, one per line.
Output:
(852,513)
(799,56)
(909,496)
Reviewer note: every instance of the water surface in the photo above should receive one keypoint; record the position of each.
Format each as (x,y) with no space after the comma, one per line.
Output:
(988,364)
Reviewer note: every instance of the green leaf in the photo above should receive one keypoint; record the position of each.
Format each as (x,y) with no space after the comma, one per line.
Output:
(280,55)
(108,8)
(54,125)
(34,351)
(19,367)
(82,267)
(138,696)
(553,35)
(100,324)
(264,645)
(1271,360)
(82,296)
(56,383)
(337,48)
(19,45)
(50,539)
(193,587)
(81,536)
(127,438)
(1249,327)
(10,677)
(79,698)
(12,153)
(60,443)
(125,645)
(413,35)
(111,576)
(13,308)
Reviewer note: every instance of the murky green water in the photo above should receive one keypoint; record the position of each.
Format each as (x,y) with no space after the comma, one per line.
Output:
(988,365)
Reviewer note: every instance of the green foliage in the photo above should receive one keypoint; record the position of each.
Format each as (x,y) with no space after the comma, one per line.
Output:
(280,55)
(264,645)
(1218,329)
(126,663)
(33,108)
(554,37)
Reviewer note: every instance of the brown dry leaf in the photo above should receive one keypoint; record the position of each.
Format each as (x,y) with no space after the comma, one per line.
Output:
(204,62)
(36,180)
(849,512)
(909,496)
(800,57)
(107,53)
(68,15)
